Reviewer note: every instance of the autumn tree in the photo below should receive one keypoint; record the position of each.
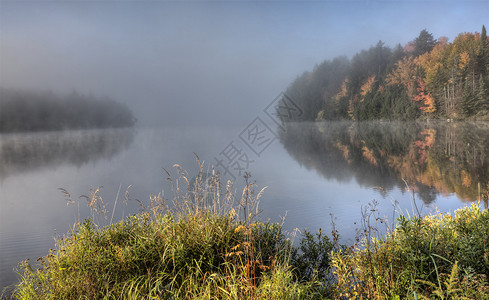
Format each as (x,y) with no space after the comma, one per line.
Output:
(425,97)
(341,99)
(404,74)
(367,86)
(450,79)
(431,62)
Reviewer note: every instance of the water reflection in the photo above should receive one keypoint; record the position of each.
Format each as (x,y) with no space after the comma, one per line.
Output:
(31,151)
(432,157)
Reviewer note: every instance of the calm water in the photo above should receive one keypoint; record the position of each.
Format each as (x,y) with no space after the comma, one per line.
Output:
(313,172)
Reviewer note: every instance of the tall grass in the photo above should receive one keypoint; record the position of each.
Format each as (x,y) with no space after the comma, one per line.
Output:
(208,245)
(206,242)
(433,257)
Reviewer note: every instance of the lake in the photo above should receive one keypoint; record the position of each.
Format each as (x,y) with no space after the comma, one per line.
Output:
(314,173)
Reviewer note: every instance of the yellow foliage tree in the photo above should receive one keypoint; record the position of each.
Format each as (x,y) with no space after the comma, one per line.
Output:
(343,91)
(404,74)
(431,62)
(367,86)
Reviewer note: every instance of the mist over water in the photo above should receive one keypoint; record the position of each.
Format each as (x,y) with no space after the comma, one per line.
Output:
(36,165)
(196,76)
(27,152)
(314,173)
(201,63)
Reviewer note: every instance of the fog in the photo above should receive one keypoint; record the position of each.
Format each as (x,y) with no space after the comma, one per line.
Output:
(195,74)
(202,63)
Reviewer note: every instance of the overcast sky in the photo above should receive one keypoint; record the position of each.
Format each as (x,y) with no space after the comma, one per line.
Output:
(201,62)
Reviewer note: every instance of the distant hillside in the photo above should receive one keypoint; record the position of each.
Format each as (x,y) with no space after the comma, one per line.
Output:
(22,110)
(426,78)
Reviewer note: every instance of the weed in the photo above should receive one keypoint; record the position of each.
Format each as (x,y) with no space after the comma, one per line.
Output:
(199,248)
(438,256)
(209,244)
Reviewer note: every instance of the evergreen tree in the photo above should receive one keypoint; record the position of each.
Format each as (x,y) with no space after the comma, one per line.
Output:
(398,54)
(423,43)
(483,96)
(483,59)
(446,79)
(469,103)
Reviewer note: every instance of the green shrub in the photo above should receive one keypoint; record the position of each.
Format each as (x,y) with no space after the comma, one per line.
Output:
(312,258)
(156,257)
(435,256)
(202,250)
(199,250)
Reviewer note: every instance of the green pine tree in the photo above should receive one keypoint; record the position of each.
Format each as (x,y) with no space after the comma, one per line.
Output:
(483,96)
(423,43)
(469,100)
(483,58)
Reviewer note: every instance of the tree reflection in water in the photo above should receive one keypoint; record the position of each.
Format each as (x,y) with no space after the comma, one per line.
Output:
(432,157)
(25,152)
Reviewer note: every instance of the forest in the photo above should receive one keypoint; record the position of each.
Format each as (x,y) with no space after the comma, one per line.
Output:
(27,111)
(427,78)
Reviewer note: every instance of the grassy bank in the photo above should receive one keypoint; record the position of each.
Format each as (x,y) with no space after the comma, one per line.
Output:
(209,245)
(200,256)
(433,257)
(204,244)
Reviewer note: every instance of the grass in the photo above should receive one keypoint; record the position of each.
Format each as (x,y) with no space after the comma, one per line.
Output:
(210,245)
(433,257)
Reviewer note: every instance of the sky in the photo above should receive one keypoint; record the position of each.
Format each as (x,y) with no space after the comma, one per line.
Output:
(203,63)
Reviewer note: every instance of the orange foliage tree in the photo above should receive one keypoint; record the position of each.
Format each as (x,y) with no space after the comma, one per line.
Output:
(425,97)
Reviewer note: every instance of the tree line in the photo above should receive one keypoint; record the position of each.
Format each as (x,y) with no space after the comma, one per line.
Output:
(427,78)
(23,110)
